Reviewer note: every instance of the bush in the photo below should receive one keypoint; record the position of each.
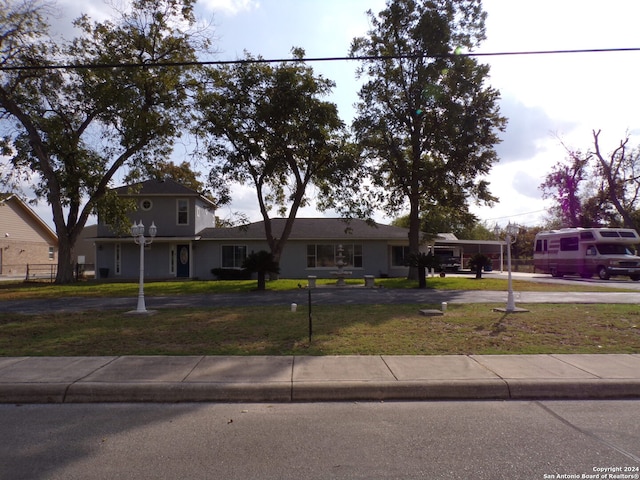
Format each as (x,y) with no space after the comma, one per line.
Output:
(478,262)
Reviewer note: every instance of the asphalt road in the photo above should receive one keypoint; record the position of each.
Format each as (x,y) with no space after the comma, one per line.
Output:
(419,440)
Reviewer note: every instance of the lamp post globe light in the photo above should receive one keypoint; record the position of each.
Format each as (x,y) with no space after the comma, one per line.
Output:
(137,232)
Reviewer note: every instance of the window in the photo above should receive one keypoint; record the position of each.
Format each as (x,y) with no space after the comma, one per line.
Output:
(541,245)
(146,204)
(353,255)
(233,256)
(52,253)
(569,244)
(586,236)
(183,211)
(399,256)
(326,255)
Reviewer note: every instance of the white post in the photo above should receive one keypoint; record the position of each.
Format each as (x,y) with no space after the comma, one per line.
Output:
(142,308)
(511,305)
(512,231)
(137,231)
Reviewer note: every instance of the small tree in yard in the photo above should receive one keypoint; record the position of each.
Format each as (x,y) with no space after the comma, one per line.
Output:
(423,261)
(261,263)
(478,262)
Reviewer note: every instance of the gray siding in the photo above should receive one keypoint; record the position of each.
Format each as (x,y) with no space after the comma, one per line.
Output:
(164,213)
(293,263)
(156,260)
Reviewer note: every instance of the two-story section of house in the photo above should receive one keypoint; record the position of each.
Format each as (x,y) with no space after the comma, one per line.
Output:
(179,214)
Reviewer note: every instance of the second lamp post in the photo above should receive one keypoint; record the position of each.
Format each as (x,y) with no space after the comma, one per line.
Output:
(511,231)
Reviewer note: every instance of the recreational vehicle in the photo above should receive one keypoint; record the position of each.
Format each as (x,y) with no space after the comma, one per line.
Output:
(587,251)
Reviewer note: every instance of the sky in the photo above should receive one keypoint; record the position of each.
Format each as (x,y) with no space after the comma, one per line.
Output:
(551,101)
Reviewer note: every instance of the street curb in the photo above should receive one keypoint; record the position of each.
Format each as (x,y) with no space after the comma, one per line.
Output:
(33,392)
(416,390)
(574,389)
(177,392)
(285,392)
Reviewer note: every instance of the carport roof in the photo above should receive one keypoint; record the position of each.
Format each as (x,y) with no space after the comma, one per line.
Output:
(471,247)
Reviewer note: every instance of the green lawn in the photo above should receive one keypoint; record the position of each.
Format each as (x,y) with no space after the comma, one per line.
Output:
(22,290)
(353,330)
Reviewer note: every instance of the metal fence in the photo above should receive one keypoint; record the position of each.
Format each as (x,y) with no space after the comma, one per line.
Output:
(46,272)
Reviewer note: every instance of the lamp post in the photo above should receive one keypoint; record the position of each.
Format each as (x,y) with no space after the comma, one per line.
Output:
(511,231)
(137,231)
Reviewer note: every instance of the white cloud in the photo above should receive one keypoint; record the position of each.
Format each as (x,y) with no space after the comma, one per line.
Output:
(526,184)
(230,7)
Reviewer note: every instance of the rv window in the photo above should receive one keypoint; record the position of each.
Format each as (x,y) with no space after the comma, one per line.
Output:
(569,243)
(627,234)
(538,245)
(613,249)
(609,233)
(586,235)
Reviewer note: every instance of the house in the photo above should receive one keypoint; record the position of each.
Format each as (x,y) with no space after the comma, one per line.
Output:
(188,244)
(26,241)
(180,215)
(314,245)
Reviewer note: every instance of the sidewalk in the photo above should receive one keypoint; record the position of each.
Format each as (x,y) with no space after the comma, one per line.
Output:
(306,378)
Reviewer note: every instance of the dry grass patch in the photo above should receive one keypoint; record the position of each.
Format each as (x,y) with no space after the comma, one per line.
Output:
(348,330)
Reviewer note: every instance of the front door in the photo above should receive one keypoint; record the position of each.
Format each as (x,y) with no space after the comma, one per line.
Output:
(183,261)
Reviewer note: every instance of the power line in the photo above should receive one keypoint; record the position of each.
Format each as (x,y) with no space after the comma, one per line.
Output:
(514,215)
(312,59)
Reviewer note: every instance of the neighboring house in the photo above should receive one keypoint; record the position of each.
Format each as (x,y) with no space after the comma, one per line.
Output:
(85,249)
(25,240)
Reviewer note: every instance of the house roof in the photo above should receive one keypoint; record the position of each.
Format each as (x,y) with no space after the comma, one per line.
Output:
(312,229)
(159,188)
(12,199)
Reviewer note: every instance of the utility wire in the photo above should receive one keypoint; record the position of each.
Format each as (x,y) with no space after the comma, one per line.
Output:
(312,59)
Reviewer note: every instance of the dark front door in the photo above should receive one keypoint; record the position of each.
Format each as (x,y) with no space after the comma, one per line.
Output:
(183,261)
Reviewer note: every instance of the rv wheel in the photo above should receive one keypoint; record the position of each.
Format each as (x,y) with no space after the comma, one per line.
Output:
(603,274)
(635,278)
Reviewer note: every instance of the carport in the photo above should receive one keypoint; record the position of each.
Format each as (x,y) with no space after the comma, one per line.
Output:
(494,249)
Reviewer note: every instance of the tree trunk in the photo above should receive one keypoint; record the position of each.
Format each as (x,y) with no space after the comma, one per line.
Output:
(479,268)
(262,283)
(414,236)
(66,261)
(422,276)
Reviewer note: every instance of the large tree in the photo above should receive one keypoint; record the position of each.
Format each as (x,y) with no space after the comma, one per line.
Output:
(73,113)
(426,120)
(593,188)
(268,126)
